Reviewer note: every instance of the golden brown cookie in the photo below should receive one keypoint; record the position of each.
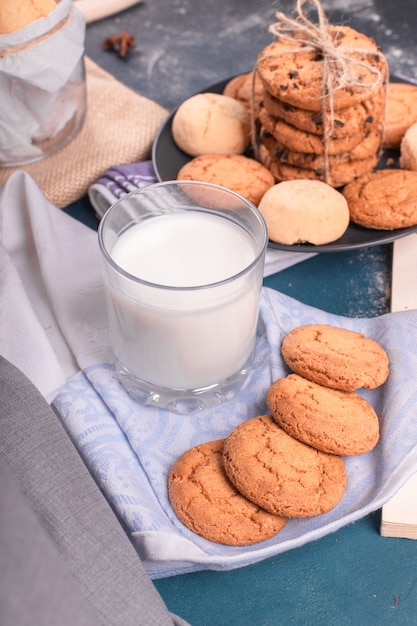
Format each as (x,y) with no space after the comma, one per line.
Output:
(346,122)
(280,473)
(301,211)
(296,76)
(384,200)
(408,149)
(368,148)
(211,123)
(205,500)
(340,173)
(16,15)
(335,357)
(245,89)
(401,112)
(338,422)
(236,172)
(300,141)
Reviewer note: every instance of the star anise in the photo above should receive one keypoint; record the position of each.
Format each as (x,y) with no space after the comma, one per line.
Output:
(121,43)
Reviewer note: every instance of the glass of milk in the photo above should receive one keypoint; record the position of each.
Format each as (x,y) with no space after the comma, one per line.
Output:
(182,268)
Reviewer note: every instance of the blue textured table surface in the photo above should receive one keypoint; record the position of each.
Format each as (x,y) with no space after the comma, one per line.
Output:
(355,576)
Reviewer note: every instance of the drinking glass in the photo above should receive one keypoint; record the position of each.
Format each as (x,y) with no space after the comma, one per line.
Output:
(182,268)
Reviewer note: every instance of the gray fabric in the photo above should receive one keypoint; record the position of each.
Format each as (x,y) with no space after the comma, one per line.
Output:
(36,587)
(75,518)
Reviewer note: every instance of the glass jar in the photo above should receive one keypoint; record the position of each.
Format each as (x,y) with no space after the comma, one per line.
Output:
(43,86)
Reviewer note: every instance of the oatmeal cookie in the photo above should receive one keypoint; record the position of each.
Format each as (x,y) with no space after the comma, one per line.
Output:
(236,172)
(401,112)
(338,422)
(205,500)
(245,89)
(280,473)
(384,200)
(335,357)
(408,149)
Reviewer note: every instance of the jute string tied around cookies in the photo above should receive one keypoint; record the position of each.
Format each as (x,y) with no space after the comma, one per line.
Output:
(339,65)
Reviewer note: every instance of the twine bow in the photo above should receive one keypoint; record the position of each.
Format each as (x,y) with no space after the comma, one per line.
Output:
(340,65)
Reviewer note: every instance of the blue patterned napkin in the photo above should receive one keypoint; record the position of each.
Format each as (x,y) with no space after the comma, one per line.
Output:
(130,449)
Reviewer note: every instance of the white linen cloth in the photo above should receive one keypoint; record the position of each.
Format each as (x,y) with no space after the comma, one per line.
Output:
(53,327)
(119,180)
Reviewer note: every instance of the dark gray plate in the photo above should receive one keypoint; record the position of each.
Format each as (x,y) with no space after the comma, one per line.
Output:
(168,159)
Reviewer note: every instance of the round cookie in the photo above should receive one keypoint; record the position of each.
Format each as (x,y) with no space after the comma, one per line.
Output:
(236,87)
(295,76)
(366,149)
(408,149)
(300,211)
(211,123)
(384,200)
(280,473)
(245,89)
(401,112)
(206,501)
(338,422)
(346,122)
(300,141)
(16,15)
(335,357)
(340,173)
(237,172)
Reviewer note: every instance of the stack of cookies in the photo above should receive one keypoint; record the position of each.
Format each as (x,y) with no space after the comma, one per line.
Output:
(301,132)
(243,489)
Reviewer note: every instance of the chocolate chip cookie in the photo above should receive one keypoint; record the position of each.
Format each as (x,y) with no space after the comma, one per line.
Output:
(293,72)
(301,141)
(346,122)
(340,173)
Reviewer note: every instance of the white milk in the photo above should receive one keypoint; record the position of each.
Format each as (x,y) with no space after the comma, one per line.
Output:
(187,337)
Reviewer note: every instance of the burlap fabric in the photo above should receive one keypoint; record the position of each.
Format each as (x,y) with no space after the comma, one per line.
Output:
(120,127)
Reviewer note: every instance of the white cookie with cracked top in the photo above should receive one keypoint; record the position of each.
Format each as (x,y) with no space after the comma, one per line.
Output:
(211,123)
(304,211)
